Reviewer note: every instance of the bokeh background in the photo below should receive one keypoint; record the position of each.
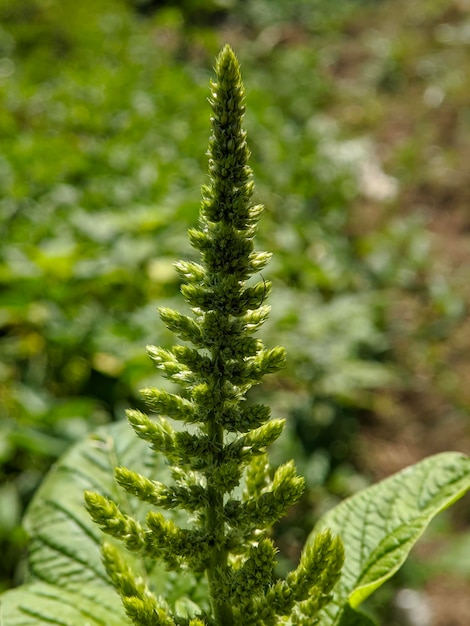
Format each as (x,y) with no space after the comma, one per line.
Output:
(359,123)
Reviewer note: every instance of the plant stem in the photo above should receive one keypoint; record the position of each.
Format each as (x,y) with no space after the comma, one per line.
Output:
(218,566)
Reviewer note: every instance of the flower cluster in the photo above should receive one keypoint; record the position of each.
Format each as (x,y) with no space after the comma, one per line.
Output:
(221,475)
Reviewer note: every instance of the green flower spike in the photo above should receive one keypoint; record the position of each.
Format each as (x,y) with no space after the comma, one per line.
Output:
(225,437)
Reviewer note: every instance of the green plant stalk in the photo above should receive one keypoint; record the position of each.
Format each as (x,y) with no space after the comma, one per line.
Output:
(225,180)
(226,202)
(217,565)
(226,535)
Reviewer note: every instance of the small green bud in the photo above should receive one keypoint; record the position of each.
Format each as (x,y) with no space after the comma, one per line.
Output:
(287,485)
(175,543)
(256,573)
(159,434)
(257,477)
(280,597)
(172,369)
(142,613)
(107,515)
(253,297)
(185,327)
(193,448)
(258,261)
(254,442)
(286,489)
(191,498)
(194,361)
(138,485)
(319,567)
(304,613)
(190,272)
(253,320)
(169,404)
(199,239)
(139,603)
(242,420)
(225,476)
(270,361)
(198,297)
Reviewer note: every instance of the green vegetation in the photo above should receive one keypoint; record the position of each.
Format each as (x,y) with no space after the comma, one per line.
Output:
(220,473)
(102,124)
(226,536)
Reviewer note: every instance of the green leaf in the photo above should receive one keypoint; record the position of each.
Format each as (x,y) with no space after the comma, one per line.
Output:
(41,604)
(67,584)
(351,617)
(381,524)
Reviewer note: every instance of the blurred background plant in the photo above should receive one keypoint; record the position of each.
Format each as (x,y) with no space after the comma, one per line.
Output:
(104,127)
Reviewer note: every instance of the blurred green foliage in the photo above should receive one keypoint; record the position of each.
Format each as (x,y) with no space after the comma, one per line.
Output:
(104,127)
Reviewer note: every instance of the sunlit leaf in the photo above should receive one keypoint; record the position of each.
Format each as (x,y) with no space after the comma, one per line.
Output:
(381,524)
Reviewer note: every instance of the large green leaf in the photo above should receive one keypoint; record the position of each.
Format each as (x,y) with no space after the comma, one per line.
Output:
(351,617)
(380,525)
(41,604)
(67,584)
